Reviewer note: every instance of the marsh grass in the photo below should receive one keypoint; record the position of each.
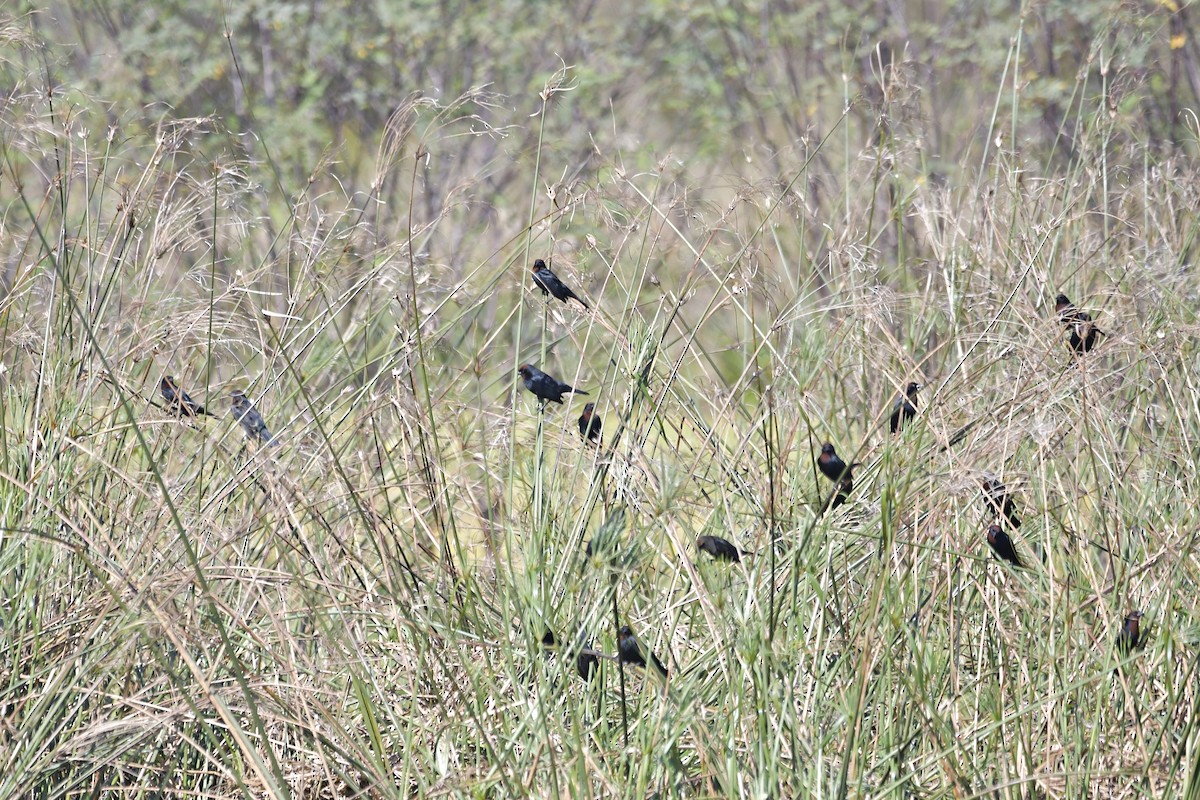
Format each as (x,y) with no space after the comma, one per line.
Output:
(359,611)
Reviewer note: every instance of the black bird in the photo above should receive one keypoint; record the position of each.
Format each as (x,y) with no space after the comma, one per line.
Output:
(832,467)
(548,282)
(547,388)
(589,423)
(178,402)
(1084,332)
(548,639)
(998,501)
(630,653)
(1131,636)
(251,420)
(1002,546)
(905,407)
(720,549)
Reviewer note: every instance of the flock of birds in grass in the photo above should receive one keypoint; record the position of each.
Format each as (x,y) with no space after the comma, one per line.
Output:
(1082,336)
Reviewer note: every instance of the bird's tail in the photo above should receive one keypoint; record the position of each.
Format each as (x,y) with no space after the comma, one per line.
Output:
(576,391)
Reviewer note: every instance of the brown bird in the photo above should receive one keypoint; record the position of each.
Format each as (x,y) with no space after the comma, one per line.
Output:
(178,401)
(630,653)
(545,387)
(1131,637)
(905,407)
(548,282)
(1084,332)
(589,423)
(720,549)
(1002,546)
(998,501)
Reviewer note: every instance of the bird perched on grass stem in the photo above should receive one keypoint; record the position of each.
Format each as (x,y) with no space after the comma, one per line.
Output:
(833,467)
(251,421)
(905,407)
(545,387)
(178,402)
(1131,637)
(842,474)
(630,653)
(720,549)
(549,283)
(1002,546)
(590,424)
(1084,332)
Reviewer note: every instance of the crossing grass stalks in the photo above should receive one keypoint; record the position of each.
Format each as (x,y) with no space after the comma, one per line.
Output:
(359,611)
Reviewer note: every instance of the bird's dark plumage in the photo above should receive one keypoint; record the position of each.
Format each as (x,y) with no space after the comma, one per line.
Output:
(833,467)
(545,387)
(905,407)
(587,663)
(630,653)
(251,421)
(1083,332)
(587,660)
(720,549)
(839,495)
(1130,637)
(1001,545)
(178,402)
(998,501)
(589,423)
(549,283)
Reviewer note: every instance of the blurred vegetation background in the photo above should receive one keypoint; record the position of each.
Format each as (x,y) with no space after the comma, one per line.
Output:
(782,211)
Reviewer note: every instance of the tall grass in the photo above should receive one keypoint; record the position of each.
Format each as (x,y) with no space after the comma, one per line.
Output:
(359,611)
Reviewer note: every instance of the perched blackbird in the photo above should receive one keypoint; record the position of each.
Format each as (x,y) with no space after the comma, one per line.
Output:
(178,402)
(1002,546)
(548,282)
(905,407)
(250,419)
(1131,636)
(630,653)
(589,423)
(544,386)
(720,549)
(1084,332)
(998,501)
(835,469)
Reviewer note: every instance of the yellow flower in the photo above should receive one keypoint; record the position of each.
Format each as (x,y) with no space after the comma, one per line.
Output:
(1178,41)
